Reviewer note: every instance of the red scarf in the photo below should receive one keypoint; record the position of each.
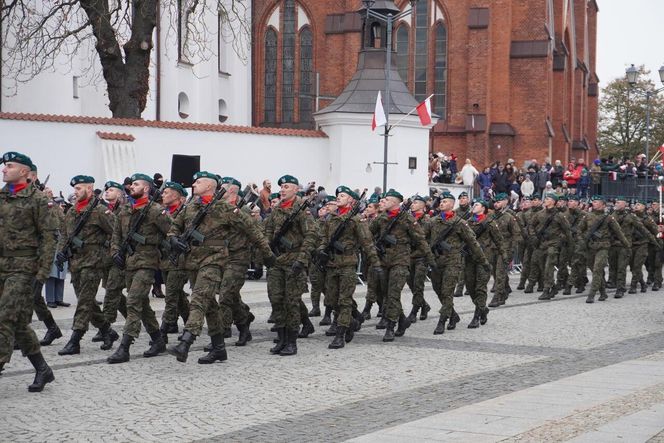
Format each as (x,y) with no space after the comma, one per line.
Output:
(206,199)
(16,188)
(418,214)
(393,213)
(174,207)
(343,211)
(479,218)
(448,215)
(287,205)
(81,205)
(139,203)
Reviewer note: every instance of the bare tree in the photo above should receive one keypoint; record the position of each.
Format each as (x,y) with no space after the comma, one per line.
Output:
(36,33)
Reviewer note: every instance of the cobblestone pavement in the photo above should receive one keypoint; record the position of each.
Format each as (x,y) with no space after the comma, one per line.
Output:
(326,395)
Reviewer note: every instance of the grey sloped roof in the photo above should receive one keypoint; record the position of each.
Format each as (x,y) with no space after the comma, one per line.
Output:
(359,96)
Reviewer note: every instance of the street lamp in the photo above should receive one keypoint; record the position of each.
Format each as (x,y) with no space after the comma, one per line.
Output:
(632,76)
(389,20)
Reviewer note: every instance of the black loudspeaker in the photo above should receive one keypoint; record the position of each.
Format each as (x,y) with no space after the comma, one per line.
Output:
(183,168)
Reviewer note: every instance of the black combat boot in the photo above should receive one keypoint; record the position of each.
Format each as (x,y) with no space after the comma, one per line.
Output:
(73,346)
(2,366)
(181,350)
(307,328)
(644,287)
(424,313)
(381,310)
(440,327)
(291,343)
(656,286)
(580,290)
(164,328)
(389,330)
(620,293)
(591,297)
(553,292)
(540,287)
(157,345)
(484,313)
(403,324)
(326,320)
(218,352)
(602,294)
(567,290)
(43,373)
(109,336)
(475,322)
(366,312)
(495,301)
(546,295)
(338,341)
(454,319)
(359,319)
(228,333)
(52,332)
(315,309)
(413,314)
(521,286)
(121,355)
(632,288)
(529,289)
(245,334)
(271,318)
(281,341)
(382,323)
(98,337)
(350,331)
(332,330)
(610,285)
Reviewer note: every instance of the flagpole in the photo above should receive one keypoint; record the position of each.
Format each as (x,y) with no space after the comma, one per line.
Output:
(411,111)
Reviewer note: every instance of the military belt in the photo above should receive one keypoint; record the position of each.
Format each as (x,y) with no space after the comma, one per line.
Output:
(213,242)
(28,252)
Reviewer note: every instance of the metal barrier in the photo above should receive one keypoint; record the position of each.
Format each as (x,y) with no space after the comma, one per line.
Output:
(628,186)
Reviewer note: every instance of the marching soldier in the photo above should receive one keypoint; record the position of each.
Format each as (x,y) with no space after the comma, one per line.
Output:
(511,231)
(27,246)
(418,262)
(86,262)
(464,210)
(534,273)
(597,229)
(526,250)
(139,267)
(293,235)
(374,291)
(449,234)
(640,243)
(578,257)
(317,276)
(565,255)
(654,262)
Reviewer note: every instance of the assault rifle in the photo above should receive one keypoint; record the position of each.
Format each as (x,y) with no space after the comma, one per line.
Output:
(74,241)
(279,242)
(128,246)
(192,234)
(592,233)
(441,246)
(333,246)
(386,239)
(545,226)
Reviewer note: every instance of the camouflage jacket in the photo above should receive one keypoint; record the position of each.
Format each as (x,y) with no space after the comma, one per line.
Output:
(301,238)
(28,233)
(356,235)
(488,234)
(521,219)
(549,228)
(597,230)
(633,228)
(408,235)
(111,213)
(575,217)
(424,222)
(464,212)
(166,264)
(95,237)
(509,228)
(458,236)
(154,228)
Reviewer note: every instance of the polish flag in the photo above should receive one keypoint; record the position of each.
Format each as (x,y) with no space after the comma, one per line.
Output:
(661,149)
(424,111)
(379,114)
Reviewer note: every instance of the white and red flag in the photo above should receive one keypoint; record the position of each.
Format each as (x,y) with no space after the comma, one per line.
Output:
(424,111)
(379,114)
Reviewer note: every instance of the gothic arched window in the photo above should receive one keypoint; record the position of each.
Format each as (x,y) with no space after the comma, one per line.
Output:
(270,76)
(306,75)
(440,72)
(402,40)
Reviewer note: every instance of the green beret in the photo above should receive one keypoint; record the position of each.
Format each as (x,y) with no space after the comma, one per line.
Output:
(33,167)
(573,197)
(641,201)
(526,198)
(373,200)
(17,157)
(112,184)
(536,197)
(481,202)
(419,198)
(204,174)
(598,197)
(232,181)
(501,196)
(464,194)
(346,190)
(274,195)
(552,196)
(562,197)
(177,187)
(139,176)
(288,179)
(330,199)
(446,196)
(622,199)
(81,179)
(393,193)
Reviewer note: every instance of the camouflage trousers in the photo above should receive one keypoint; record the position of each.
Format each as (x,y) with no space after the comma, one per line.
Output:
(526,259)
(619,259)
(317,279)
(499,265)
(16,302)
(416,278)
(476,279)
(139,310)
(614,258)
(564,260)
(86,283)
(444,279)
(175,299)
(285,292)
(637,259)
(579,268)
(340,283)
(543,264)
(654,264)
(40,308)
(231,307)
(597,260)
(375,289)
(114,299)
(203,305)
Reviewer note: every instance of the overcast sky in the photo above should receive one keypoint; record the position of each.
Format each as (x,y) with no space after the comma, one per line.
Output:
(629,31)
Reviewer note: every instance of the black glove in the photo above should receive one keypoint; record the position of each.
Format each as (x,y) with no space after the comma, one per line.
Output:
(322,257)
(119,260)
(378,272)
(60,260)
(269,260)
(296,267)
(177,245)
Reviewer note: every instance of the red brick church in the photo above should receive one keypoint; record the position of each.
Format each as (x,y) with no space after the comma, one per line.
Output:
(509,78)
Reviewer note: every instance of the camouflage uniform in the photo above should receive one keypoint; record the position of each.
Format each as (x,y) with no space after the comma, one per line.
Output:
(597,245)
(465,213)
(375,289)
(27,247)
(640,242)
(578,261)
(633,229)
(448,269)
(175,277)
(533,272)
(565,256)
(418,271)
(511,232)
(654,261)
(525,251)
(316,277)
(114,280)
